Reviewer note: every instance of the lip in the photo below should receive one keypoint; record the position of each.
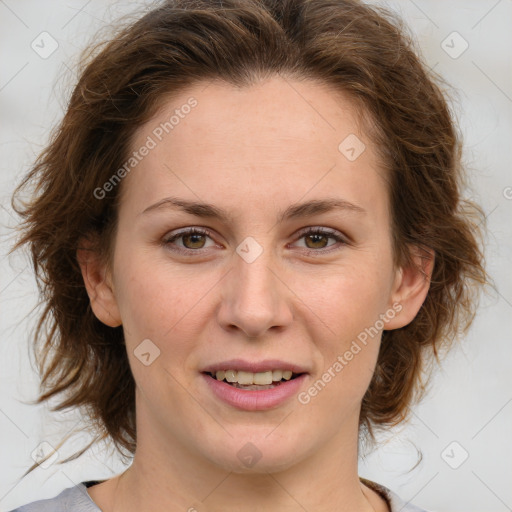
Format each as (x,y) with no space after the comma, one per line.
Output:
(254,400)
(255,367)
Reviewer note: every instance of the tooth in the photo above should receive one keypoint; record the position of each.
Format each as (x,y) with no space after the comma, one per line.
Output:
(230,375)
(248,378)
(262,378)
(245,377)
(277,375)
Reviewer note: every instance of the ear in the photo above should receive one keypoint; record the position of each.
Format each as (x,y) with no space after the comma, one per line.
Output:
(98,283)
(411,286)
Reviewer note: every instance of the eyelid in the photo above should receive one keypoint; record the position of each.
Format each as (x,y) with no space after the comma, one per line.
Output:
(193,230)
(308,230)
(321,229)
(340,238)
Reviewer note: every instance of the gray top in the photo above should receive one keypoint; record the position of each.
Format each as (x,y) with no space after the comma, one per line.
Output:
(77,499)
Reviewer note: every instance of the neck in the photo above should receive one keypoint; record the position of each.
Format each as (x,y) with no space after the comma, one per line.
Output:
(166,475)
(199,487)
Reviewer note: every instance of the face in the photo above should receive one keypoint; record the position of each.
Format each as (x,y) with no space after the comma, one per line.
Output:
(252,282)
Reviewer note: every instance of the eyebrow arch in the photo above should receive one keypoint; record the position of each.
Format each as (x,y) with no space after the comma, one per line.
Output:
(294,211)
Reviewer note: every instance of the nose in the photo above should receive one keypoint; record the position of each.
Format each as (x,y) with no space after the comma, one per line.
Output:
(255,297)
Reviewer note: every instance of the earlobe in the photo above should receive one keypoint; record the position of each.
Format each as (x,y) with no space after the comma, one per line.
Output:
(411,286)
(98,284)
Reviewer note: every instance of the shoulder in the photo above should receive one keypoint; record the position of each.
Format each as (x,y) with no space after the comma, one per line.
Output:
(77,499)
(395,503)
(73,499)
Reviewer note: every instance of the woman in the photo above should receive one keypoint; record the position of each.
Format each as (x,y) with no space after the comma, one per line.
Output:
(250,238)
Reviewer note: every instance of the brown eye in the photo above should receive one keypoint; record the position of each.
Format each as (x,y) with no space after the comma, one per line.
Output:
(193,239)
(318,241)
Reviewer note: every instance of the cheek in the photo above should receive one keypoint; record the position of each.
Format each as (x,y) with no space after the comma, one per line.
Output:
(348,299)
(347,343)
(158,303)
(346,327)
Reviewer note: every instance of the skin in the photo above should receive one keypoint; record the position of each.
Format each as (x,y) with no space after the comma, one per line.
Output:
(252,151)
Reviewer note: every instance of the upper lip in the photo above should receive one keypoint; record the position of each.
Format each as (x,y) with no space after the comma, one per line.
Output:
(254,366)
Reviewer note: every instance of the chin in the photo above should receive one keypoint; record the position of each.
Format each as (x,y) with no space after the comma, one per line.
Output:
(257,455)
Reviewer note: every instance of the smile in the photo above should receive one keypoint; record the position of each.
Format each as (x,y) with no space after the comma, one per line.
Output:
(254,391)
(250,380)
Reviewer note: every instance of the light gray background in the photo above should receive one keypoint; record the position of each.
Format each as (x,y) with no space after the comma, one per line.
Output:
(470,401)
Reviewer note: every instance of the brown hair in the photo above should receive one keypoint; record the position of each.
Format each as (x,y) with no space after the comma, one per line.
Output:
(359,50)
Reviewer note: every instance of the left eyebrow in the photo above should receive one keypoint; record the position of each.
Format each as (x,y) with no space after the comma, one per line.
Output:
(317,206)
(294,211)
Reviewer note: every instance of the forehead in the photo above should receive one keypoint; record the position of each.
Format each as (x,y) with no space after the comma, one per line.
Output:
(277,138)
(278,106)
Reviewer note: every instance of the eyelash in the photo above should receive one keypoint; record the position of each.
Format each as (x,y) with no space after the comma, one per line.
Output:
(307,232)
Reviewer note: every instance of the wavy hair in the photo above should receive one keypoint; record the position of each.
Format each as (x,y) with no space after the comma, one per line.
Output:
(362,51)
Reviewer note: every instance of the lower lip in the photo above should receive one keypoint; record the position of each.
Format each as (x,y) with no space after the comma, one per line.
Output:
(254,400)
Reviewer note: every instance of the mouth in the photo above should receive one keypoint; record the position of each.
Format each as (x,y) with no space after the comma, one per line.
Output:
(240,379)
(262,390)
